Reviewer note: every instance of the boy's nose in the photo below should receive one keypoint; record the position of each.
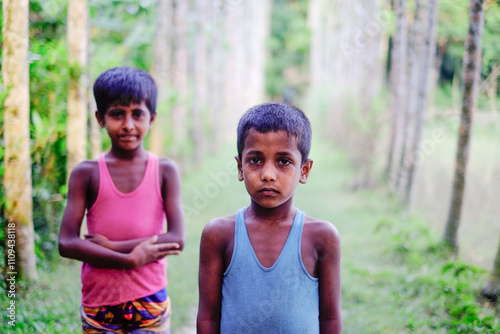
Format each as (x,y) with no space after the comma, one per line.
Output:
(128,123)
(268,173)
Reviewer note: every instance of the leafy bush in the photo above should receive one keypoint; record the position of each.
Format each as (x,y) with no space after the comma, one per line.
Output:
(443,292)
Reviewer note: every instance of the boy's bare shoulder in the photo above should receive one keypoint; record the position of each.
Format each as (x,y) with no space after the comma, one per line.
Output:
(220,230)
(168,166)
(85,170)
(320,230)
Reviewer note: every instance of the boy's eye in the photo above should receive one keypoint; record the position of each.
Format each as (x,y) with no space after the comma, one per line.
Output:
(115,113)
(138,113)
(284,162)
(254,160)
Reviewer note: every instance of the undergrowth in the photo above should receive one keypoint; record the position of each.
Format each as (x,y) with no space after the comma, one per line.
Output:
(442,293)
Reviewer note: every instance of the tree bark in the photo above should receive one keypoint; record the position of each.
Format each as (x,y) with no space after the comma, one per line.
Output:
(470,80)
(316,66)
(491,289)
(197,81)
(425,67)
(160,72)
(398,80)
(215,81)
(409,108)
(78,40)
(179,78)
(20,254)
(260,19)
(94,132)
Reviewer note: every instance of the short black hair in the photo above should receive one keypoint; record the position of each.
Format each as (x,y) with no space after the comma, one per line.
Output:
(124,85)
(275,117)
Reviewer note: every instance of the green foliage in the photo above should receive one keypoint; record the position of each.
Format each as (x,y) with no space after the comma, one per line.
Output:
(49,74)
(452,31)
(491,42)
(122,34)
(448,289)
(49,305)
(453,22)
(289,48)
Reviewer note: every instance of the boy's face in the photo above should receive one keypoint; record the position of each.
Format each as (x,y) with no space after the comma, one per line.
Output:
(127,126)
(271,166)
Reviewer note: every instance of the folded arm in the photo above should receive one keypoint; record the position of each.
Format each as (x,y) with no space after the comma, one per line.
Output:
(172,203)
(72,246)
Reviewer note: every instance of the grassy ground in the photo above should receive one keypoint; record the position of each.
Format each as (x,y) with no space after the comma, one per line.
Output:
(394,278)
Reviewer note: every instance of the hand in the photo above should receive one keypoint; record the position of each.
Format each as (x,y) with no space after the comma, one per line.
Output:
(99,239)
(148,251)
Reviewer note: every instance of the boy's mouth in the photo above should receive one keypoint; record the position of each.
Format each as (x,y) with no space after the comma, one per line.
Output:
(127,137)
(268,191)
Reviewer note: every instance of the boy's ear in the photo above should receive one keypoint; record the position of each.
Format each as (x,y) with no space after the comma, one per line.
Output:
(305,170)
(152,120)
(240,168)
(100,119)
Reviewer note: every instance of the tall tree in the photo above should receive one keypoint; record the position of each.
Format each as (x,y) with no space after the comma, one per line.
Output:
(179,77)
(470,84)
(17,177)
(94,132)
(409,104)
(198,79)
(215,79)
(260,16)
(78,40)
(491,289)
(160,71)
(425,67)
(398,82)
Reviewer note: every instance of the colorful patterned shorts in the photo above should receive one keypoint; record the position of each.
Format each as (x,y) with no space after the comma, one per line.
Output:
(150,314)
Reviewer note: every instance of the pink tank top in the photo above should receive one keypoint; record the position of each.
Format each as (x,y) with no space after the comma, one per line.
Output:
(124,216)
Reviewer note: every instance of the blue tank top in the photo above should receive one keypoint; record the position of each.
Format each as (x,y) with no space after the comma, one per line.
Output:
(281,299)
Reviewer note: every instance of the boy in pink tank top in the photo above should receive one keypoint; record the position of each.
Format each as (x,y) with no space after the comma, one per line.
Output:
(132,200)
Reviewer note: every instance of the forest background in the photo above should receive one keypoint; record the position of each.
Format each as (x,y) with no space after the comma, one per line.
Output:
(384,85)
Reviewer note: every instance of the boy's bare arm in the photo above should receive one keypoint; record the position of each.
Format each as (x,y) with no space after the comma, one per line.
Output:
(172,202)
(328,248)
(212,250)
(72,246)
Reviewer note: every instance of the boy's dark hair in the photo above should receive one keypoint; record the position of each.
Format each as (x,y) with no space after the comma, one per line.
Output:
(275,117)
(124,85)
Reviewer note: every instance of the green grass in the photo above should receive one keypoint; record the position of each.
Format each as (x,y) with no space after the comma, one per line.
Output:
(395,279)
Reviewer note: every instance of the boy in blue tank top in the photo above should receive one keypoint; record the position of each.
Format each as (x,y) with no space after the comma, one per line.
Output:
(270,268)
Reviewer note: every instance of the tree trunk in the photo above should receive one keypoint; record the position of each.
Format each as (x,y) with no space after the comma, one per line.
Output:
(316,66)
(425,68)
(94,132)
(260,19)
(160,72)
(20,262)
(197,81)
(490,86)
(491,289)
(215,85)
(179,77)
(470,80)
(398,80)
(78,40)
(409,108)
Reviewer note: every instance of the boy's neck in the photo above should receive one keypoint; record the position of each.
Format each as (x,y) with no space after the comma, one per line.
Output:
(278,214)
(117,153)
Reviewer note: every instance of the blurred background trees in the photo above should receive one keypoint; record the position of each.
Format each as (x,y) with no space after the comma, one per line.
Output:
(381,79)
